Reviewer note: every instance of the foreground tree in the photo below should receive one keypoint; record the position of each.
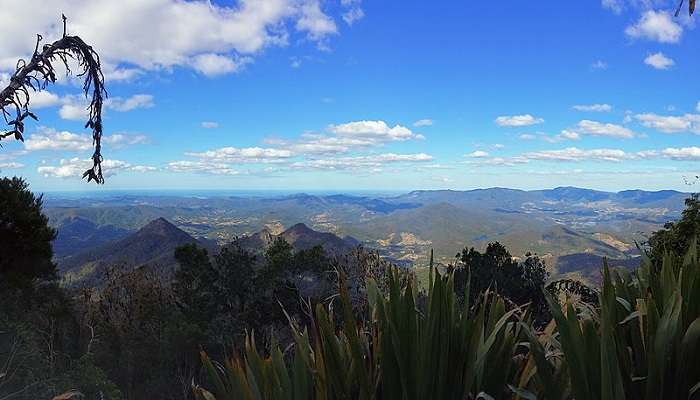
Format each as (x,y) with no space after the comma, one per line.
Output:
(36,74)
(496,269)
(676,236)
(25,235)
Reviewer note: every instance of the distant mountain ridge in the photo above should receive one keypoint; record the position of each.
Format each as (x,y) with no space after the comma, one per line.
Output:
(154,244)
(77,234)
(300,237)
(552,222)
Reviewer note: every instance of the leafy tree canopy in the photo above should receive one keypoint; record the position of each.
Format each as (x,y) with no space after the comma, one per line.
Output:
(25,236)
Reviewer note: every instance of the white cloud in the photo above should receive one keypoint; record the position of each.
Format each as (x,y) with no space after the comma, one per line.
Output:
(210,124)
(477,154)
(295,62)
(374,130)
(594,128)
(74,111)
(616,6)
(527,136)
(683,154)
(659,61)
(569,135)
(574,154)
(427,122)
(42,99)
(10,165)
(668,124)
(75,107)
(117,74)
(51,139)
(203,167)
(213,65)
(361,162)
(119,140)
(243,155)
(128,104)
(657,26)
(593,108)
(518,120)
(161,34)
(599,65)
(697,107)
(75,167)
(313,21)
(353,15)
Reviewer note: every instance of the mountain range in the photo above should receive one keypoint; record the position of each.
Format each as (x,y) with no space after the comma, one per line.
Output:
(154,245)
(565,221)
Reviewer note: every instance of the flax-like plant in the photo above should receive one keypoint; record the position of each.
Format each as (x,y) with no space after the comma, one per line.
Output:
(643,343)
(400,352)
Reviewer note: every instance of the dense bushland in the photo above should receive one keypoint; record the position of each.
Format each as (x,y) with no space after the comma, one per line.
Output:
(285,324)
(641,342)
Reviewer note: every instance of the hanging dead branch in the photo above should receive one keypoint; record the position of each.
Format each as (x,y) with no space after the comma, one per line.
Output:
(691,7)
(39,72)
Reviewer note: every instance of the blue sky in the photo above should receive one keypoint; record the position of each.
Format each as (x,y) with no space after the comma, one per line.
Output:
(383,95)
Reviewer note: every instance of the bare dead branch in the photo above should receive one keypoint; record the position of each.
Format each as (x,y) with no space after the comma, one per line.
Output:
(39,72)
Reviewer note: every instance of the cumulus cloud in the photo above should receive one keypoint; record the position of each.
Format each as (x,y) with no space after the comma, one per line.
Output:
(119,140)
(161,34)
(212,65)
(518,120)
(659,61)
(226,155)
(575,154)
(683,154)
(599,65)
(43,98)
(353,15)
(51,139)
(594,128)
(130,103)
(209,124)
(202,167)
(527,136)
(374,130)
(593,107)
(10,165)
(315,22)
(76,107)
(425,122)
(670,124)
(361,162)
(657,26)
(477,154)
(616,6)
(75,167)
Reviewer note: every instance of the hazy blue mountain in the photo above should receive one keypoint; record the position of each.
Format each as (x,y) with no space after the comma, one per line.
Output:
(555,222)
(301,237)
(154,244)
(77,234)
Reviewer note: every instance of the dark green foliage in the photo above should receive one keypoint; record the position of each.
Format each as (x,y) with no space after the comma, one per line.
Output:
(495,269)
(314,259)
(43,351)
(676,236)
(25,237)
(193,283)
(143,342)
